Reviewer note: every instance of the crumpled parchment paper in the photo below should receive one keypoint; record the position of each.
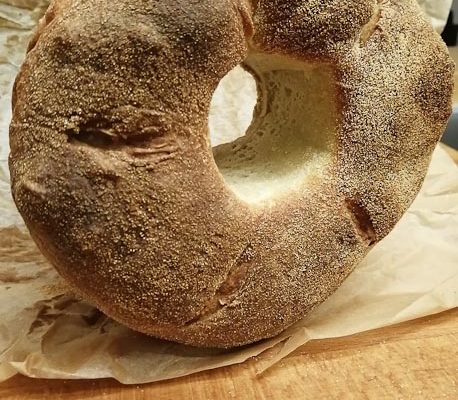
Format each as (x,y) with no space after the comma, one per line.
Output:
(47,333)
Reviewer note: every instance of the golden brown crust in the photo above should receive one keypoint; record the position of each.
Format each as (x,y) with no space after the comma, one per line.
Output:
(113,173)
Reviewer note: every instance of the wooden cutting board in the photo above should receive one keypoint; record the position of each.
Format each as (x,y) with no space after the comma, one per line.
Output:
(414,360)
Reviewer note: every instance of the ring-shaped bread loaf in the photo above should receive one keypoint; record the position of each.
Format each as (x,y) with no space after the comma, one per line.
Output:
(115,177)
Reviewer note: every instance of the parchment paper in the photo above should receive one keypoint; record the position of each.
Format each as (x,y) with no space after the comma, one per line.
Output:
(45,332)
(438,11)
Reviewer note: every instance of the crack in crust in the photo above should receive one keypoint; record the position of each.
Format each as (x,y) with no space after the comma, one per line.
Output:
(244,11)
(229,288)
(99,132)
(145,139)
(362,220)
(371,27)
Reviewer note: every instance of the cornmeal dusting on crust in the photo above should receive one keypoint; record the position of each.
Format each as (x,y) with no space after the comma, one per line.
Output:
(113,172)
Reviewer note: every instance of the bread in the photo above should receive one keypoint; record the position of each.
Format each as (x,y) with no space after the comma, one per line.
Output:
(114,175)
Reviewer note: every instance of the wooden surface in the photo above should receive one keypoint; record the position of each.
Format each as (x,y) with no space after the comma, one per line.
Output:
(414,360)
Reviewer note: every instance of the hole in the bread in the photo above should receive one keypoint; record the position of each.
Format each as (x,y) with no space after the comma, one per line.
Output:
(231,109)
(293,132)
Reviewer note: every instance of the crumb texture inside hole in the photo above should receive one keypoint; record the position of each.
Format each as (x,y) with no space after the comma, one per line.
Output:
(292,134)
